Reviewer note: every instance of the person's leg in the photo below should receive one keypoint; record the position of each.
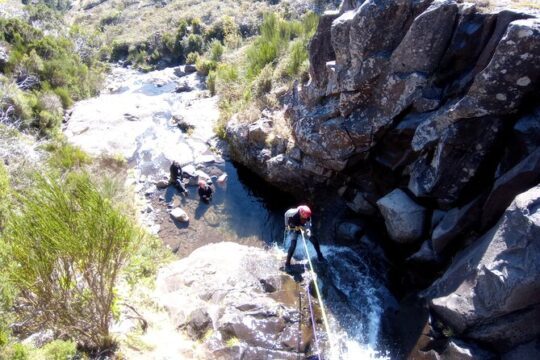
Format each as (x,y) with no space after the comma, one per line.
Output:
(292,237)
(317,247)
(180,185)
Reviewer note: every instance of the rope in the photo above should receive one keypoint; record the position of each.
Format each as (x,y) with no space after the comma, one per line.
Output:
(312,318)
(319,298)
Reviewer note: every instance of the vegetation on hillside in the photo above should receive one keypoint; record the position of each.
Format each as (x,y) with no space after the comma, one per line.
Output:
(44,73)
(245,80)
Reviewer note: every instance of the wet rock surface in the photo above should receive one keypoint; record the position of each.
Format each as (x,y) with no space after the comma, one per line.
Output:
(234,300)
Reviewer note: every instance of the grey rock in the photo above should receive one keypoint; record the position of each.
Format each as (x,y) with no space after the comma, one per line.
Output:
(198,323)
(349,231)
(162,184)
(258,131)
(456,222)
(492,289)
(180,215)
(320,49)
(220,287)
(524,139)
(184,87)
(404,219)
(518,179)
(457,349)
(395,148)
(425,254)
(507,331)
(179,72)
(377,29)
(360,205)
(530,350)
(424,44)
(190,68)
(443,172)
(436,217)
(499,88)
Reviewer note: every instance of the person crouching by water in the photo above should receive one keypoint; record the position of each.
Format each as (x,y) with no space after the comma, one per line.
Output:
(205,191)
(177,178)
(298,220)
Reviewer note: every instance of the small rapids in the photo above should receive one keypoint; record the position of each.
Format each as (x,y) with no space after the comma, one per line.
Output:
(134,118)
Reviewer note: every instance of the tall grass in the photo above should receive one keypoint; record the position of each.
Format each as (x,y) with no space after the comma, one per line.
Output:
(64,247)
(276,57)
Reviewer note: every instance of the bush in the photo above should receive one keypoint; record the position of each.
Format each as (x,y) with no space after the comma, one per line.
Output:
(216,51)
(67,244)
(192,58)
(193,43)
(297,58)
(204,66)
(263,83)
(196,26)
(16,352)
(59,350)
(65,156)
(211,82)
(120,50)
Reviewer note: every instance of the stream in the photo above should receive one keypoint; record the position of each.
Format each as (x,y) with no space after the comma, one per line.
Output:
(134,117)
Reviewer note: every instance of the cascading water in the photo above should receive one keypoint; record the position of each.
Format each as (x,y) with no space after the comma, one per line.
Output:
(134,119)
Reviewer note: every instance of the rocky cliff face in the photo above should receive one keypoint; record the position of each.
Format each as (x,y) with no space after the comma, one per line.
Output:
(425,114)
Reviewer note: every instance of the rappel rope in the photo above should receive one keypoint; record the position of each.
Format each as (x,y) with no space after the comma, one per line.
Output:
(318,293)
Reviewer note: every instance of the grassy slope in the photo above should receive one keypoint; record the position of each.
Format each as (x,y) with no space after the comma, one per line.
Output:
(138,19)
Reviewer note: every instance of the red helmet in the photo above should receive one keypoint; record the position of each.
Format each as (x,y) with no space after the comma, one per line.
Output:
(305,211)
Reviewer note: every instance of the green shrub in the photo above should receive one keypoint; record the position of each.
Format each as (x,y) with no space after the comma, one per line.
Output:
(16,352)
(192,58)
(196,26)
(297,58)
(211,82)
(120,50)
(263,83)
(216,51)
(204,66)
(193,43)
(59,350)
(146,260)
(4,194)
(65,156)
(63,95)
(67,244)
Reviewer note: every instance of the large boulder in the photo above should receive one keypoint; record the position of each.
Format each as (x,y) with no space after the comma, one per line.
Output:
(403,217)
(516,180)
(456,222)
(491,292)
(445,171)
(234,301)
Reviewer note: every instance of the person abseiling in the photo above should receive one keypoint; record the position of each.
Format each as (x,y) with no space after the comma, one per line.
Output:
(177,177)
(298,220)
(205,191)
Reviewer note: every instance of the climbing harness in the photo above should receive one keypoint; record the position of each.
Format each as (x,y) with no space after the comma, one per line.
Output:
(294,228)
(319,298)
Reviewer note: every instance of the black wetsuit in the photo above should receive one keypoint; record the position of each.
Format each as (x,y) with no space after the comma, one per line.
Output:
(176,177)
(295,224)
(205,193)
